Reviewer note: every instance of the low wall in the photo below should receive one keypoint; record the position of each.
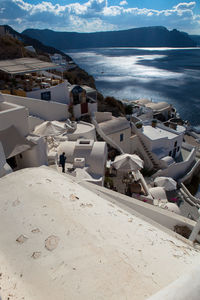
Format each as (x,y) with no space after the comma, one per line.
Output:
(161,216)
(48,111)
(177,170)
(184,288)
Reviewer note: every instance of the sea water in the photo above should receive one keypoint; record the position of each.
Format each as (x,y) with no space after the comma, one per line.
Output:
(160,74)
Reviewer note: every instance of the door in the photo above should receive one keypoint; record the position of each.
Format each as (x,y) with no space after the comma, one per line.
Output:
(84,108)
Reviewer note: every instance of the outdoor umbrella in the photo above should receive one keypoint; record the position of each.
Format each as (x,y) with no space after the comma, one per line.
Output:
(128,162)
(50,128)
(168,183)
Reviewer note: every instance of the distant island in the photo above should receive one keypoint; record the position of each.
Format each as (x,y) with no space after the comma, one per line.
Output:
(156,36)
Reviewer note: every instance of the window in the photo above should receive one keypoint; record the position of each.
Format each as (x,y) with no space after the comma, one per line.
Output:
(84,142)
(175,144)
(46,96)
(170,153)
(121,137)
(178,149)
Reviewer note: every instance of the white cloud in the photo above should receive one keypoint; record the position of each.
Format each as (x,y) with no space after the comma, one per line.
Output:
(95,15)
(124,2)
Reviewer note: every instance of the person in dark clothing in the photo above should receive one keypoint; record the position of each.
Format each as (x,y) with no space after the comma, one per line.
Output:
(62,161)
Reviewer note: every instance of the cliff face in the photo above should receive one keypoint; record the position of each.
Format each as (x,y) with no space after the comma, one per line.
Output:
(15,39)
(157,36)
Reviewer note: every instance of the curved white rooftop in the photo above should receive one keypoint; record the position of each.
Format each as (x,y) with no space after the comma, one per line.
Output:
(158,106)
(63,241)
(114,125)
(143,101)
(83,130)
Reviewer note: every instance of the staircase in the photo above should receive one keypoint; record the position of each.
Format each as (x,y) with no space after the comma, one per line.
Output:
(149,154)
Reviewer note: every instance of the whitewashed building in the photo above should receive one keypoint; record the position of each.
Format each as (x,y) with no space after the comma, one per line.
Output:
(117,129)
(87,157)
(20,148)
(83,100)
(163,141)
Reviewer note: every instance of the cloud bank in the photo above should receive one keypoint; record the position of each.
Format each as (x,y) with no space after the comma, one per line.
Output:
(96,15)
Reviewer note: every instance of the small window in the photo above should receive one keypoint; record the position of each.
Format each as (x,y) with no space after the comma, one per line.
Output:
(170,153)
(84,142)
(46,96)
(121,137)
(175,144)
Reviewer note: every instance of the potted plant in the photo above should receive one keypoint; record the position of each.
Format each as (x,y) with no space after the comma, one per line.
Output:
(154,123)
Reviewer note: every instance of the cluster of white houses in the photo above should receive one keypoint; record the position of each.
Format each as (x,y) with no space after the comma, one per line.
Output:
(79,240)
(73,234)
(39,95)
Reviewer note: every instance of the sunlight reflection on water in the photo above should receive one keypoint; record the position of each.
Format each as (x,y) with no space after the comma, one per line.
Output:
(162,74)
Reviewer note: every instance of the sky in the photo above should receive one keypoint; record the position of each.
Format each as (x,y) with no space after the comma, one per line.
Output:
(100,15)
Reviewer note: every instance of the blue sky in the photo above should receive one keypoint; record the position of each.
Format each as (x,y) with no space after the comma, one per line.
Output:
(100,15)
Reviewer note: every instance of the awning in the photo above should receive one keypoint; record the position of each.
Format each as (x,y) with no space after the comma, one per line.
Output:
(13,142)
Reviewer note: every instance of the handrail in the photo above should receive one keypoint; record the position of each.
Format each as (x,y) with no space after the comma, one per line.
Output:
(194,199)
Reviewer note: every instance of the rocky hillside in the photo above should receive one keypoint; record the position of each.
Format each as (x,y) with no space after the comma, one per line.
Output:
(12,46)
(19,40)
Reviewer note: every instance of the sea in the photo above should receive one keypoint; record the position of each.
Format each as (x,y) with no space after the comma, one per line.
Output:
(159,74)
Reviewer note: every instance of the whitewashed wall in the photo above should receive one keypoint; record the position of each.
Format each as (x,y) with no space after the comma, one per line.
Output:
(59,93)
(4,167)
(34,157)
(92,108)
(103,116)
(125,145)
(177,170)
(14,115)
(48,111)
(33,122)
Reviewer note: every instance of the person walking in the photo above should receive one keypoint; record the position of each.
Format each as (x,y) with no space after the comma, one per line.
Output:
(62,161)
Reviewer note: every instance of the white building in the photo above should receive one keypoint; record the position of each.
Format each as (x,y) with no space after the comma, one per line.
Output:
(20,148)
(30,48)
(117,129)
(88,155)
(163,141)
(64,241)
(161,110)
(83,100)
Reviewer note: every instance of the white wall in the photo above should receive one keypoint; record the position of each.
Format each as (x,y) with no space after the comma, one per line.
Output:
(14,115)
(48,111)
(34,157)
(77,111)
(125,145)
(4,167)
(59,93)
(165,144)
(103,116)
(184,288)
(95,155)
(89,132)
(33,122)
(177,170)
(92,108)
